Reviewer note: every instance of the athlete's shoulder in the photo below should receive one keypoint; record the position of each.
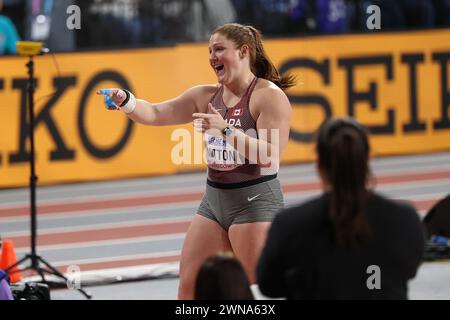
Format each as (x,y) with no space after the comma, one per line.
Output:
(267,94)
(201,95)
(204,89)
(266,90)
(265,85)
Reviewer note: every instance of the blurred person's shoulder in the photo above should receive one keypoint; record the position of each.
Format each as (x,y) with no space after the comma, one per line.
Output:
(310,211)
(4,20)
(393,204)
(392,208)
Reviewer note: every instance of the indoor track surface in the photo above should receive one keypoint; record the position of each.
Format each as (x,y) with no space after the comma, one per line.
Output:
(134,228)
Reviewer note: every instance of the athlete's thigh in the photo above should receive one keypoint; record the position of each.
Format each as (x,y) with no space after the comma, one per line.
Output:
(247,241)
(205,237)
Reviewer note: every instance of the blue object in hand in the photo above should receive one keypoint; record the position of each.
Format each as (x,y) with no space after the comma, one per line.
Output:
(109,103)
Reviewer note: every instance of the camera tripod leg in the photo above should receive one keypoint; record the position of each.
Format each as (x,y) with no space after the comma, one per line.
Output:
(55,272)
(35,259)
(39,271)
(16,264)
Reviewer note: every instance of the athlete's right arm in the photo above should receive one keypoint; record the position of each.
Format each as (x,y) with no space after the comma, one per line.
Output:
(170,112)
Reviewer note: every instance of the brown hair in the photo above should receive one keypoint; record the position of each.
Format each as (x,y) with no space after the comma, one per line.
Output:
(343,150)
(260,63)
(222,277)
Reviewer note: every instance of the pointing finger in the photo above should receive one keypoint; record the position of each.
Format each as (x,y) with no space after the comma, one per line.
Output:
(104,91)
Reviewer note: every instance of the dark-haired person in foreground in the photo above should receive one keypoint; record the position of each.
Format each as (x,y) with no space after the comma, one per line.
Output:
(350,242)
(222,277)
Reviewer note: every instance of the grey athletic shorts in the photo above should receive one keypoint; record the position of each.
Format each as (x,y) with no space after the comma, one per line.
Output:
(256,203)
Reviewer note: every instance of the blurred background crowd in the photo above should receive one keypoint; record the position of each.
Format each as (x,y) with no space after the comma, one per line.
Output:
(133,23)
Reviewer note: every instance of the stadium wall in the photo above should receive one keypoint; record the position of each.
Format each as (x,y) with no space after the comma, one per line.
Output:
(397,84)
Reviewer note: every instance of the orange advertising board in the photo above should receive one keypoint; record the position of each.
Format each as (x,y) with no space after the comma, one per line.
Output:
(396,84)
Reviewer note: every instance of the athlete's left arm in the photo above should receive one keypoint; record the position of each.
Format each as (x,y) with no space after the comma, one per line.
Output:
(273,124)
(275,116)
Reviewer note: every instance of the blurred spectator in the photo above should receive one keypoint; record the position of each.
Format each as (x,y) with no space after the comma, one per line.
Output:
(159,22)
(273,16)
(61,38)
(245,12)
(303,16)
(442,9)
(419,13)
(219,12)
(183,20)
(125,23)
(47,22)
(395,15)
(222,277)
(15,10)
(331,16)
(109,23)
(8,34)
(392,16)
(5,290)
(151,22)
(289,17)
(332,246)
(437,226)
(437,219)
(163,21)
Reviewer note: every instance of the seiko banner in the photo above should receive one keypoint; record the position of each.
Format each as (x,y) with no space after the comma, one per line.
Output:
(396,84)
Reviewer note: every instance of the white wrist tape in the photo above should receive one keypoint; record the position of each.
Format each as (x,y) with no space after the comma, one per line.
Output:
(130,105)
